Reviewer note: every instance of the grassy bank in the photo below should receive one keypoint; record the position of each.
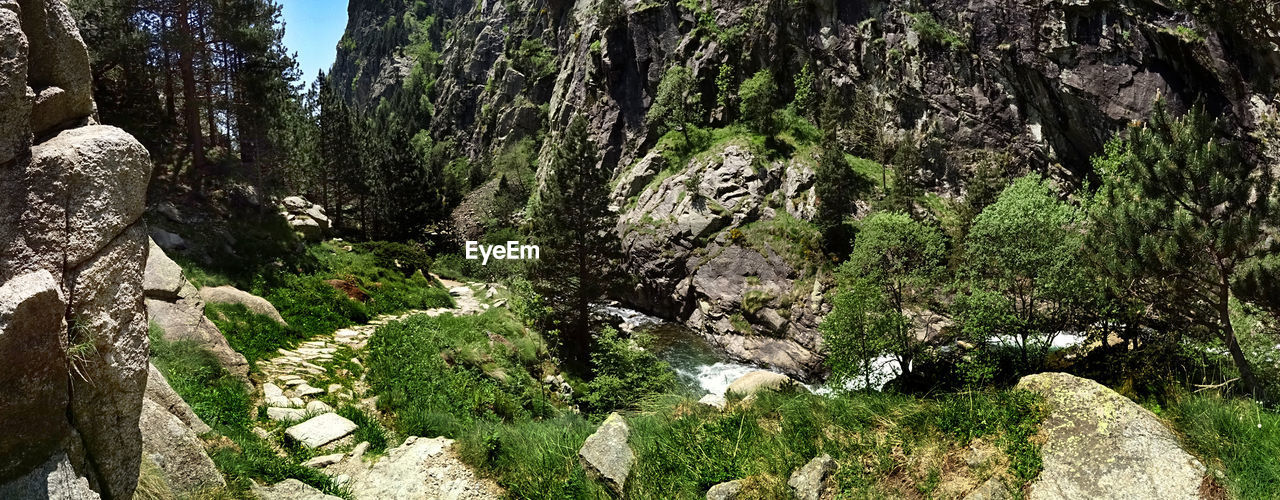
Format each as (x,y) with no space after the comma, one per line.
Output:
(1237,438)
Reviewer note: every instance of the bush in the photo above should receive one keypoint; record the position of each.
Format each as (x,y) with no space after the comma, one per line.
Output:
(626,373)
(758,100)
(407,258)
(314,307)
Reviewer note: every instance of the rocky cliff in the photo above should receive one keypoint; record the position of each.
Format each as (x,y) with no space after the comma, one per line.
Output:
(73,329)
(1042,82)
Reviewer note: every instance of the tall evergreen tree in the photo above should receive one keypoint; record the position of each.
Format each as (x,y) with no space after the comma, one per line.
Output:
(1181,211)
(574,227)
(835,183)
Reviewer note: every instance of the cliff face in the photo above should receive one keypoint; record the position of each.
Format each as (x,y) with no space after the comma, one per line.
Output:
(73,331)
(1045,82)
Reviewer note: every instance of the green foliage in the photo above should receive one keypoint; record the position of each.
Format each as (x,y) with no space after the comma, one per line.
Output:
(536,459)
(222,401)
(255,336)
(758,100)
(574,229)
(441,375)
(1238,437)
(806,84)
(932,31)
(1179,216)
(407,258)
(893,273)
(626,374)
(314,307)
(677,102)
(797,241)
(1023,276)
(534,59)
(724,86)
(682,449)
(369,429)
(855,333)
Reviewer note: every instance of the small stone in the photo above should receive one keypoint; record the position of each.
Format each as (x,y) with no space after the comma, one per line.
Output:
(725,491)
(333,388)
(296,402)
(321,430)
(305,390)
(993,489)
(278,402)
(261,433)
(323,461)
(295,382)
(317,407)
(269,389)
(807,482)
(359,450)
(285,414)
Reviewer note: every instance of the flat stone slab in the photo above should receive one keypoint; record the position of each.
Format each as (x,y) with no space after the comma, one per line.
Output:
(283,414)
(321,430)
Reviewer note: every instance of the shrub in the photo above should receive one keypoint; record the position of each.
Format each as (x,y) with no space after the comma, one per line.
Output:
(253,335)
(758,100)
(626,373)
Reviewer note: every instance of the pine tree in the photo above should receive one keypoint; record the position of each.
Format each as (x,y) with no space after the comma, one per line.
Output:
(835,183)
(574,228)
(1180,211)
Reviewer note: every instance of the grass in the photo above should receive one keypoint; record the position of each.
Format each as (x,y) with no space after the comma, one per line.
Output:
(223,402)
(798,242)
(440,376)
(253,335)
(1235,436)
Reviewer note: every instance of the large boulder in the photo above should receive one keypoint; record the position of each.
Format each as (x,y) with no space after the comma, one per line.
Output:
(59,73)
(34,371)
(109,320)
(421,469)
(1099,444)
(15,96)
(180,455)
(306,218)
(183,320)
(55,479)
(759,380)
(164,277)
(233,295)
(606,454)
(159,392)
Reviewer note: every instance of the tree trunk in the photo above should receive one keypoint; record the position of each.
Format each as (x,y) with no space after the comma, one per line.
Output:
(1233,346)
(190,102)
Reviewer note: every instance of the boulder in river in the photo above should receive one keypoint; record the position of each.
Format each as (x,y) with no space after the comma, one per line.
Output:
(759,380)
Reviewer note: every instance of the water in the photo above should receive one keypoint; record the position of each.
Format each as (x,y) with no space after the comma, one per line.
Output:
(703,369)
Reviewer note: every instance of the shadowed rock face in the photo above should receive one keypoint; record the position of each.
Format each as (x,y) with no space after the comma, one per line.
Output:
(71,281)
(1099,445)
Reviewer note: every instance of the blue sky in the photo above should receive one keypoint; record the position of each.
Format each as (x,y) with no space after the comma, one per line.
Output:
(312,29)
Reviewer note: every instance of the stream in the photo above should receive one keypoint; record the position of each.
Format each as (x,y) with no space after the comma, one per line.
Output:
(702,368)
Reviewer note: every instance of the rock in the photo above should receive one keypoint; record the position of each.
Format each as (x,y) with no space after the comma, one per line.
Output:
(606,454)
(173,447)
(306,218)
(716,401)
(105,172)
(55,479)
(323,461)
(808,481)
(759,380)
(167,240)
(15,97)
(1099,444)
(305,390)
(159,392)
(290,489)
(186,321)
(992,489)
(282,414)
(725,491)
(170,211)
(107,316)
(421,469)
(359,450)
(321,430)
(163,278)
(317,407)
(59,71)
(233,295)
(34,371)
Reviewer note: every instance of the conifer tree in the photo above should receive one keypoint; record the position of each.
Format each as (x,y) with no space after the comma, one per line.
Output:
(574,227)
(834,183)
(1181,211)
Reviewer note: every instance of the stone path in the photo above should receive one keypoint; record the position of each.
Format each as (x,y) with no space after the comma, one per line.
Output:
(295,381)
